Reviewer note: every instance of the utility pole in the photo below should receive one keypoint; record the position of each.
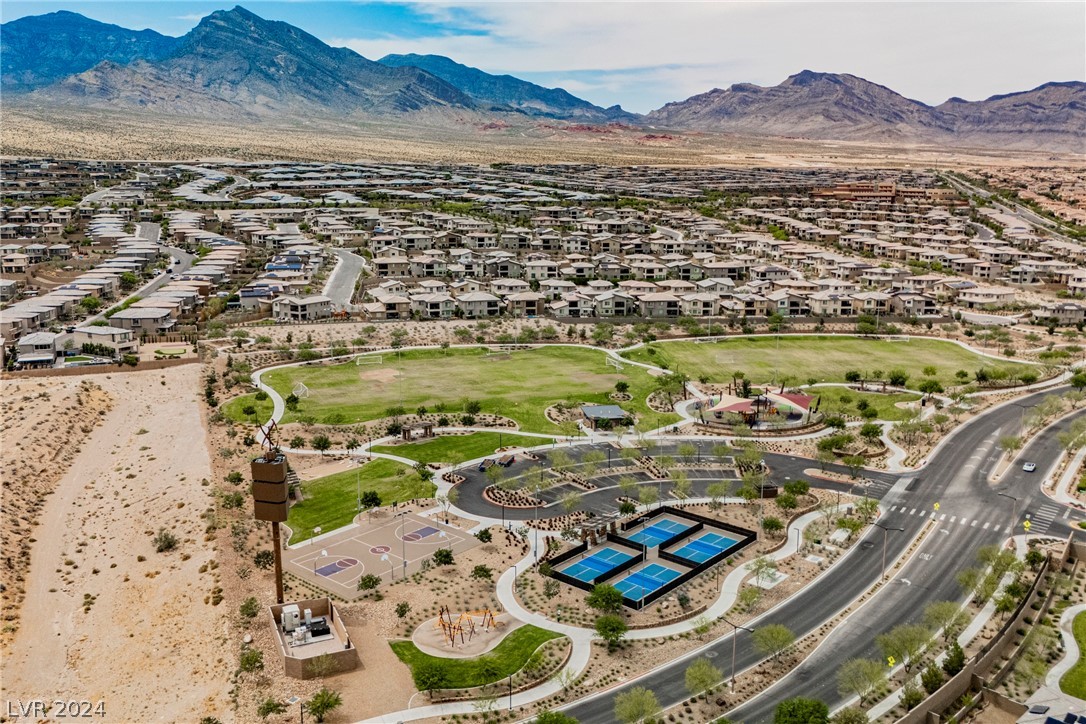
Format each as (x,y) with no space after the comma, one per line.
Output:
(735,634)
(885,532)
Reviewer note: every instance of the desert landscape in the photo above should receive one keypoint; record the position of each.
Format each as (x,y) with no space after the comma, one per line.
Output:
(97,590)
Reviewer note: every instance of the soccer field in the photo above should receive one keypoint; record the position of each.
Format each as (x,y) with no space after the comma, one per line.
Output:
(520,385)
(821,358)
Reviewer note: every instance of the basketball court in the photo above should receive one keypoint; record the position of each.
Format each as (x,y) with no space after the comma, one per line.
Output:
(391,548)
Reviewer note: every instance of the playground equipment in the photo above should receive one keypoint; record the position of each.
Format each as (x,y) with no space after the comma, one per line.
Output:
(464,626)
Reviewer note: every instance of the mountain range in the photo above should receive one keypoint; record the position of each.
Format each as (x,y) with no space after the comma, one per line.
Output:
(235,64)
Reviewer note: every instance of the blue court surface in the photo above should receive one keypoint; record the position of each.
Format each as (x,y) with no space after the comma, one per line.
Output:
(590,568)
(640,584)
(658,532)
(705,547)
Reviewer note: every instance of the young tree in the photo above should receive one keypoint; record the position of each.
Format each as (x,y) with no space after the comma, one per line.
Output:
(801,711)
(569,501)
(701,676)
(849,715)
(763,569)
(636,705)
(861,677)
(931,678)
(748,597)
(945,616)
(682,484)
(321,443)
(443,557)
(628,485)
(605,597)
(773,640)
(648,495)
(905,643)
(871,432)
(716,491)
(772,526)
(866,508)
(611,628)
(955,659)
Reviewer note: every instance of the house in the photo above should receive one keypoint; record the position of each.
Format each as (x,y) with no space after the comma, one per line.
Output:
(828,303)
(525,304)
(986,297)
(908,304)
(475,305)
(301,309)
(437,305)
(660,304)
(1065,313)
(144,321)
(700,304)
(37,349)
(615,303)
(85,339)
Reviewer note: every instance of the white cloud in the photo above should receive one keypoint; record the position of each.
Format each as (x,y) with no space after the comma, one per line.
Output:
(652,52)
(191,17)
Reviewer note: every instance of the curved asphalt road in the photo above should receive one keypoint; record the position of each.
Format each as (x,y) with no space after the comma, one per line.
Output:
(957,478)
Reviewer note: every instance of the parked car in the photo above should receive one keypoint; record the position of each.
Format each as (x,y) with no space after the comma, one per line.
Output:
(1029,467)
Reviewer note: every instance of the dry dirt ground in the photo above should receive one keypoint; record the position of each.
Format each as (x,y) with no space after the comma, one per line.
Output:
(30,131)
(105,616)
(43,425)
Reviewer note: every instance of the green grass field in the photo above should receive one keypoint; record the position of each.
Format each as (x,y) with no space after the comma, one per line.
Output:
(519,386)
(842,401)
(457,448)
(331,502)
(1074,681)
(821,358)
(233,409)
(506,658)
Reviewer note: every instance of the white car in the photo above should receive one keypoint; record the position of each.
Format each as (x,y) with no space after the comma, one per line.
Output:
(1029,467)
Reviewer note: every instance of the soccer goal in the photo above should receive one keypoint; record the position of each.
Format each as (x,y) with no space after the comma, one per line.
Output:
(368,359)
(897,338)
(300,390)
(612,362)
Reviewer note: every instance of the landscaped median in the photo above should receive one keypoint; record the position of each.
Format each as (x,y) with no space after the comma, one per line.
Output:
(515,656)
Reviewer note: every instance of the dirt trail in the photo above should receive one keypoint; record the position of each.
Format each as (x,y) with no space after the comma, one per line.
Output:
(98,622)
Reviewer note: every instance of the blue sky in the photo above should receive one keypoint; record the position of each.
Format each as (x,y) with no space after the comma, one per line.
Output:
(644,54)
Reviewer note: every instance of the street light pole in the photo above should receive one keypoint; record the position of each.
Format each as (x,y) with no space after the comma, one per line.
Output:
(735,635)
(885,532)
(1014,507)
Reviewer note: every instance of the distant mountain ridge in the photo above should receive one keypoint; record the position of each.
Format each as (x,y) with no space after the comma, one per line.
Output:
(235,64)
(846,107)
(43,49)
(509,91)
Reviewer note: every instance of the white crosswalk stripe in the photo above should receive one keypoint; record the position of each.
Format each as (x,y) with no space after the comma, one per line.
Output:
(1042,519)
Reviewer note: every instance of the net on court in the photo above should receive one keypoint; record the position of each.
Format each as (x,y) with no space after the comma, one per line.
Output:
(705,547)
(658,532)
(596,565)
(641,583)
